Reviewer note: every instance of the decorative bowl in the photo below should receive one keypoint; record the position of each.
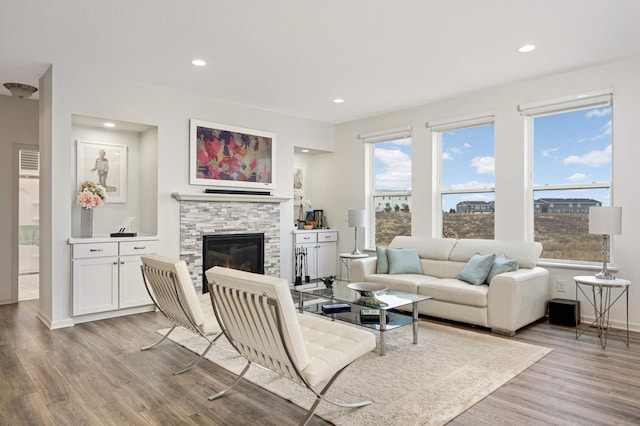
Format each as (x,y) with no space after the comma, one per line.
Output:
(368,293)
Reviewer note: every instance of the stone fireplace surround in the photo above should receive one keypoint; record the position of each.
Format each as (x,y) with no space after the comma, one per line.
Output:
(202,214)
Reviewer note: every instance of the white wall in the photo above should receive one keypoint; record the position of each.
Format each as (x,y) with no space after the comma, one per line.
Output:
(71,91)
(347,164)
(18,126)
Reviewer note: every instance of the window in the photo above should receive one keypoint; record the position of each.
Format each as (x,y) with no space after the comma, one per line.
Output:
(467,176)
(389,185)
(571,153)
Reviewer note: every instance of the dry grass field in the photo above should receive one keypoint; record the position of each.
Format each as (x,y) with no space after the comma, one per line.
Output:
(563,236)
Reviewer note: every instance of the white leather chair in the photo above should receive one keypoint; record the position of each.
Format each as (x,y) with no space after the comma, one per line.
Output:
(258,317)
(169,284)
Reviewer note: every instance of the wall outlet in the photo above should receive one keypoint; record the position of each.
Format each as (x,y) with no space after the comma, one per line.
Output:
(561,286)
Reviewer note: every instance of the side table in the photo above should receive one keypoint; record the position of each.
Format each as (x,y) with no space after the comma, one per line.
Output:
(346,259)
(600,298)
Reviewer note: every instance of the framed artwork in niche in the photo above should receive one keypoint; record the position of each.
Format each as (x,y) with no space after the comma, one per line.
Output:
(231,156)
(106,165)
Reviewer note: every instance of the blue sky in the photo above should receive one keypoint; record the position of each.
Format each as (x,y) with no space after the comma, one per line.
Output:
(572,147)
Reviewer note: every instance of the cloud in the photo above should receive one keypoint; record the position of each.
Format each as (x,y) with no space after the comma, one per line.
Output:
(598,112)
(577,177)
(548,152)
(455,150)
(472,184)
(467,145)
(447,156)
(484,165)
(395,169)
(591,158)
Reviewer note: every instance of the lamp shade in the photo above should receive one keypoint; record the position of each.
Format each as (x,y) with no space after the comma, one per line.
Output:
(605,220)
(356,218)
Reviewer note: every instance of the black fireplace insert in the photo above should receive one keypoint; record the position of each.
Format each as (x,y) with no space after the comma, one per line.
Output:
(244,252)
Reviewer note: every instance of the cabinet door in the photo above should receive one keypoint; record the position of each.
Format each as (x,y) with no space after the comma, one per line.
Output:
(95,285)
(327,255)
(132,289)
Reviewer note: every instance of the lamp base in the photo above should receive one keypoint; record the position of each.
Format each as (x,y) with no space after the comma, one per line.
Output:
(356,252)
(605,275)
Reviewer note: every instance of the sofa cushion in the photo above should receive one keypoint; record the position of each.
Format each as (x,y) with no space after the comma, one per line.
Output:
(527,253)
(399,282)
(404,261)
(477,268)
(382,263)
(428,248)
(455,291)
(501,264)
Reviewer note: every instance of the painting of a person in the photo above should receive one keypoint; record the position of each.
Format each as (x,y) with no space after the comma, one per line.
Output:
(102,167)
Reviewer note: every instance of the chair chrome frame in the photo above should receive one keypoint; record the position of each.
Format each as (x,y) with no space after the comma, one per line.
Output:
(253,325)
(167,290)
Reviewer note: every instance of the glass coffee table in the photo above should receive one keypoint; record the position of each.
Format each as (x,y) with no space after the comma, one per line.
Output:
(312,296)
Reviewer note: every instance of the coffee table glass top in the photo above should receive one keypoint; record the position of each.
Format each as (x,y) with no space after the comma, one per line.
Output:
(341,293)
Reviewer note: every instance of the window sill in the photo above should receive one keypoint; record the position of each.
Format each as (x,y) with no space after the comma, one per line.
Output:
(567,264)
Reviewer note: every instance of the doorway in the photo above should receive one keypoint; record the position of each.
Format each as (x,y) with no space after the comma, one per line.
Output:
(28,224)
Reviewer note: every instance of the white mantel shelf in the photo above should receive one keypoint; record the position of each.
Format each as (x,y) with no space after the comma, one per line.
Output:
(181,196)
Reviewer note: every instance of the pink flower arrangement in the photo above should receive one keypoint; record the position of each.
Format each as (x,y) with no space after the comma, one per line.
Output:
(90,195)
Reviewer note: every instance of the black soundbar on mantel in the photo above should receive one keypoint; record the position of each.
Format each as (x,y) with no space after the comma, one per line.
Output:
(235,192)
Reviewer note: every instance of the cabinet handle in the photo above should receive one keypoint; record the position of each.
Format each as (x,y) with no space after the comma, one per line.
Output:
(115,263)
(122,262)
(139,248)
(94,250)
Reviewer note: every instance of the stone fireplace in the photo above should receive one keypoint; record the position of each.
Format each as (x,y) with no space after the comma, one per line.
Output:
(216,214)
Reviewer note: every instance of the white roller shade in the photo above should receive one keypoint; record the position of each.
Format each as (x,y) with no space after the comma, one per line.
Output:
(386,135)
(567,103)
(461,122)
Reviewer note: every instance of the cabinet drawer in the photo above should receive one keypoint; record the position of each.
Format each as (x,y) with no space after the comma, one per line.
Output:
(139,247)
(95,250)
(306,237)
(324,236)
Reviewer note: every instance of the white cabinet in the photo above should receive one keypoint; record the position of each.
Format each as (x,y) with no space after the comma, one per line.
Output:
(107,277)
(322,251)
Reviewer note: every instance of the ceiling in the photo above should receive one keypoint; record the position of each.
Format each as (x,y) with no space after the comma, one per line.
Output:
(295,57)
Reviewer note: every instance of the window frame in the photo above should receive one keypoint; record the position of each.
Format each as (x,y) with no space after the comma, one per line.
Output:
(370,140)
(531,111)
(438,127)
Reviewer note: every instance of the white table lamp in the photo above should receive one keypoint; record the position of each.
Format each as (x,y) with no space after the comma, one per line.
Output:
(356,220)
(605,221)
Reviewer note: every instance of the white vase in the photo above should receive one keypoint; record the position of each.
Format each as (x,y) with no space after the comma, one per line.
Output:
(86,223)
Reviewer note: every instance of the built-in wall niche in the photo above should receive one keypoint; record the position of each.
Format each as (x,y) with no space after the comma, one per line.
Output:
(131,178)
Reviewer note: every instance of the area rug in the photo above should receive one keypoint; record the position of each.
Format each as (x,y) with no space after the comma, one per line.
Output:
(430,383)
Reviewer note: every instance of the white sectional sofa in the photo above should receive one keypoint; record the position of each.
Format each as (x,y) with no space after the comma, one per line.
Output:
(510,301)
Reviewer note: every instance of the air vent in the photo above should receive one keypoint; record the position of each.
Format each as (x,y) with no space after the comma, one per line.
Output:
(29,163)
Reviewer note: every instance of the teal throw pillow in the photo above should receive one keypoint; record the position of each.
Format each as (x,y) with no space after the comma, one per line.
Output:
(501,264)
(404,261)
(382,264)
(477,268)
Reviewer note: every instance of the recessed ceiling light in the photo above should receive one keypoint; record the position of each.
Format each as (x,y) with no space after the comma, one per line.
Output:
(338,100)
(527,48)
(305,150)
(109,124)
(199,62)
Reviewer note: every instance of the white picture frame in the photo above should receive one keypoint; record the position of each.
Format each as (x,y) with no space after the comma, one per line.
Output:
(104,164)
(231,156)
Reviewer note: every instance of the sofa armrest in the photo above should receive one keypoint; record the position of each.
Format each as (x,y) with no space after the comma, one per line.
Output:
(517,298)
(360,268)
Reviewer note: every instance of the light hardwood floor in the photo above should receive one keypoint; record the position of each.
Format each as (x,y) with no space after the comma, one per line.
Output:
(95,373)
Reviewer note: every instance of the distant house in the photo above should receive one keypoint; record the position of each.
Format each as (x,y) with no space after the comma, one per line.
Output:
(477,207)
(390,203)
(564,205)
(541,205)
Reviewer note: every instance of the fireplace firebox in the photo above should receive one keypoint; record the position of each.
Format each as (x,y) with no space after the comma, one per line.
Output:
(244,252)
